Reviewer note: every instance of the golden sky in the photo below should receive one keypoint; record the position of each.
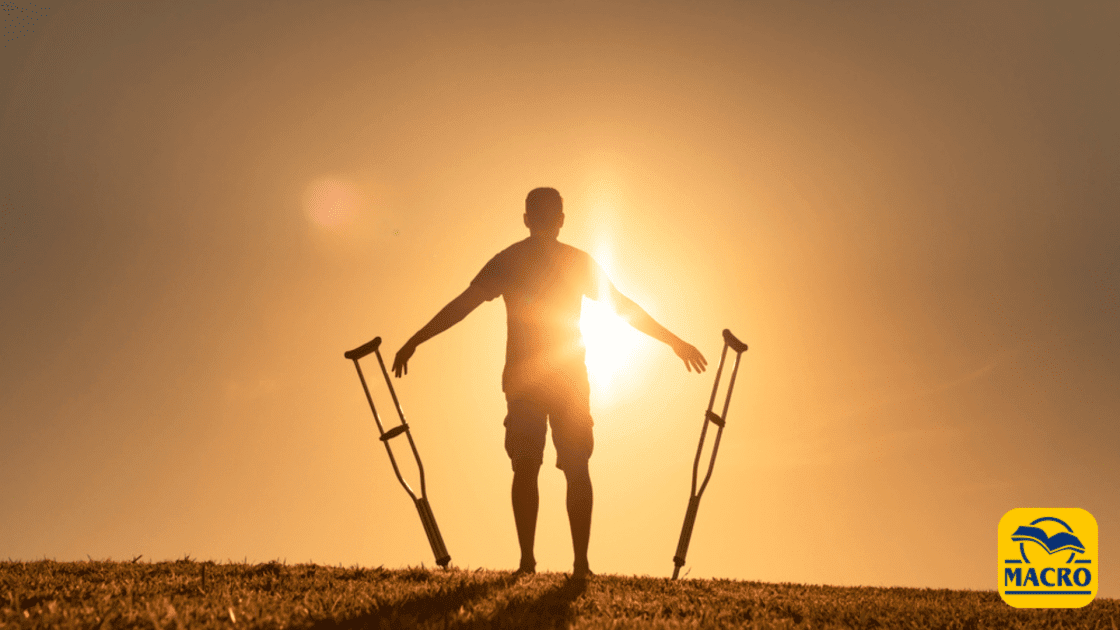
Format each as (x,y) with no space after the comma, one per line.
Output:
(907,210)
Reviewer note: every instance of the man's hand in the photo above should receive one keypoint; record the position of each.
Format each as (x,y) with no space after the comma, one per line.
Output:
(400,363)
(691,356)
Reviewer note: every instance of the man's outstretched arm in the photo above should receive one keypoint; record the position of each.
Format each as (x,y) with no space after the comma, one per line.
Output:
(450,315)
(637,317)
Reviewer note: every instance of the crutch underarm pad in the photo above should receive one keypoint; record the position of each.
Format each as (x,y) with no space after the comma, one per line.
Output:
(736,345)
(367,348)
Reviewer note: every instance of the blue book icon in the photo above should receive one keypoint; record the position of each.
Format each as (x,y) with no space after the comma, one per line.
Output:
(1062,541)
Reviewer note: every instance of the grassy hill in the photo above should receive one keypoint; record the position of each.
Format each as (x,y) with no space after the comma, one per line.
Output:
(190,594)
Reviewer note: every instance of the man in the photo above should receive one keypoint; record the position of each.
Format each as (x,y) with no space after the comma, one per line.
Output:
(545,382)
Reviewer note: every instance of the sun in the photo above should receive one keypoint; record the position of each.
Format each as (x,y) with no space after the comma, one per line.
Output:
(609,340)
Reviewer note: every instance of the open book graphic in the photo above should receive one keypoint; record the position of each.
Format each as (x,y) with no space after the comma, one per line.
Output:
(1062,541)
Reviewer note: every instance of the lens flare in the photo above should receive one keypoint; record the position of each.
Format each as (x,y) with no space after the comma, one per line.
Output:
(331,202)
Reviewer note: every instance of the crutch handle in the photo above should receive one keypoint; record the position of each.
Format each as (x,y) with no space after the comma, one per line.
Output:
(394,432)
(370,346)
(736,345)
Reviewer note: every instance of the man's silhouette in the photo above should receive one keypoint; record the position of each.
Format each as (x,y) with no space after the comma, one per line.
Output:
(545,382)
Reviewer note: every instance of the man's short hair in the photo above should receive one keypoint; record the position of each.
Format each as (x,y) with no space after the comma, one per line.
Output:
(544,202)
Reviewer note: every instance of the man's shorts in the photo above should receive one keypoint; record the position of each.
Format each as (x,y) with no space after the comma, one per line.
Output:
(527,423)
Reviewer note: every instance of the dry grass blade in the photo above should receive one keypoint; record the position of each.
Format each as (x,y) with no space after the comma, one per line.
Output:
(50,594)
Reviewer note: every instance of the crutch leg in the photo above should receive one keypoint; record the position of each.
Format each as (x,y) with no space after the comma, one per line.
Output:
(427,518)
(686,534)
(710,417)
(432,530)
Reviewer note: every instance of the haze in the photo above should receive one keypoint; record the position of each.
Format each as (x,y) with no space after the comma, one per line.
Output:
(908,211)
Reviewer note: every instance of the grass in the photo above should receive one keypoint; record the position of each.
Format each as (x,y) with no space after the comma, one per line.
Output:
(191,594)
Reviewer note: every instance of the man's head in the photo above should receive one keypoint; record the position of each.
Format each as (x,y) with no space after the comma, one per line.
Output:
(544,212)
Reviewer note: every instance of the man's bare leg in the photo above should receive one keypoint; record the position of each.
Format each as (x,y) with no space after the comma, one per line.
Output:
(526,500)
(580,500)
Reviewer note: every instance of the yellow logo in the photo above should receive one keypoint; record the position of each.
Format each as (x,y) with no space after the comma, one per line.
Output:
(1048,558)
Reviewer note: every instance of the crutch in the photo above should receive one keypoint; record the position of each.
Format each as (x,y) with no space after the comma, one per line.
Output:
(739,347)
(426,517)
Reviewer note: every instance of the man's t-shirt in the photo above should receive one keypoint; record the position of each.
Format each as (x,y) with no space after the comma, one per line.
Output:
(543,282)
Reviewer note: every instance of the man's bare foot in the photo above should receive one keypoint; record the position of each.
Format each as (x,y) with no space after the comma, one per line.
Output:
(582,572)
(526,568)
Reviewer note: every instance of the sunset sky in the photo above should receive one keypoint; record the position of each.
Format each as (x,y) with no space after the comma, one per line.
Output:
(907,210)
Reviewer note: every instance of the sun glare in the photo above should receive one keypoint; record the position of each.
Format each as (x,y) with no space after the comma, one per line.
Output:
(610,342)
